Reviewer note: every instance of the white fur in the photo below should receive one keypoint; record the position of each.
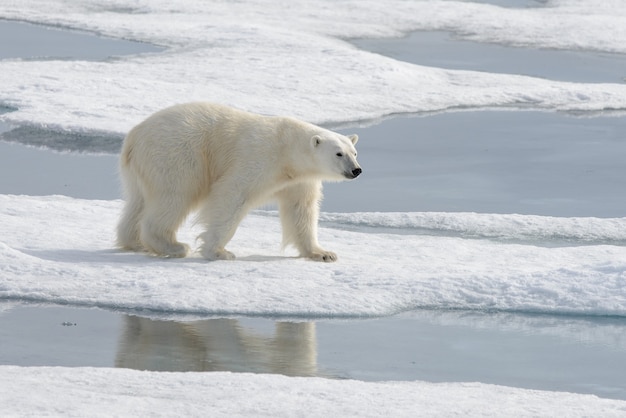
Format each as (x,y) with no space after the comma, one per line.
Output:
(224,162)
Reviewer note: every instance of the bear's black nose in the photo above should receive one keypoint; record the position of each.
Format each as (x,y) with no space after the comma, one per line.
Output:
(356,172)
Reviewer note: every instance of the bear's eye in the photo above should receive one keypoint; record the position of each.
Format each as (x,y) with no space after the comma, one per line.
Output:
(339,154)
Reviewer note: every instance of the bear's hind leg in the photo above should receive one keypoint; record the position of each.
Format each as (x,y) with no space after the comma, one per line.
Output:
(221,214)
(161,220)
(128,226)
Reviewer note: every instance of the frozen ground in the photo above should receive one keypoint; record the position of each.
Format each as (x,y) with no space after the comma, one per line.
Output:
(266,57)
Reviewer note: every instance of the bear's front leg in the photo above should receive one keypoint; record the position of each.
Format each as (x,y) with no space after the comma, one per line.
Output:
(299,213)
(221,214)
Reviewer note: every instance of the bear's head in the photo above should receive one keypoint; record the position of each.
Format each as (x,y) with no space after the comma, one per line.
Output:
(335,156)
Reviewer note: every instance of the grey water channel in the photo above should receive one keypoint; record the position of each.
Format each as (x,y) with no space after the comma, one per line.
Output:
(572,354)
(549,164)
(451,52)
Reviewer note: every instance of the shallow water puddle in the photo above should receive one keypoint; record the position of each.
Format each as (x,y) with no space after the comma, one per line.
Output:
(575,354)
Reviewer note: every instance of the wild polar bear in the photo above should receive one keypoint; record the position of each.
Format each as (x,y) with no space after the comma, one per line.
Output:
(223,162)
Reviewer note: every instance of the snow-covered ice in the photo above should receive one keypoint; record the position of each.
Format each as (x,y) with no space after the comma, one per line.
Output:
(114,392)
(58,249)
(295,58)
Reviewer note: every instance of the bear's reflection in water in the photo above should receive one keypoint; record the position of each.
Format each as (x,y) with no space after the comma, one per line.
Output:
(217,345)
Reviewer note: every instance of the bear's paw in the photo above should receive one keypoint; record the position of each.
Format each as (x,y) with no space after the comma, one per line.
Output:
(173,250)
(322,255)
(214,255)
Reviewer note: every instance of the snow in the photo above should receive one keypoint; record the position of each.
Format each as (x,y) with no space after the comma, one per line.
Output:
(294,58)
(112,392)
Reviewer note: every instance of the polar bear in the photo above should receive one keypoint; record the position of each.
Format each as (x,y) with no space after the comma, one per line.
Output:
(223,162)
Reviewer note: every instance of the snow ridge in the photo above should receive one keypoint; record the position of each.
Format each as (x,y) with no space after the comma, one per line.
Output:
(507,227)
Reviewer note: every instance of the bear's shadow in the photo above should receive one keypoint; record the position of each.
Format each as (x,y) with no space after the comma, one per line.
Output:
(115,256)
(265,258)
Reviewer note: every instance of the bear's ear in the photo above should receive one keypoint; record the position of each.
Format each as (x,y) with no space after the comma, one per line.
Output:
(354,138)
(316,140)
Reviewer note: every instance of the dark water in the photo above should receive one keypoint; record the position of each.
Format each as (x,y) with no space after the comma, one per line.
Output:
(475,161)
